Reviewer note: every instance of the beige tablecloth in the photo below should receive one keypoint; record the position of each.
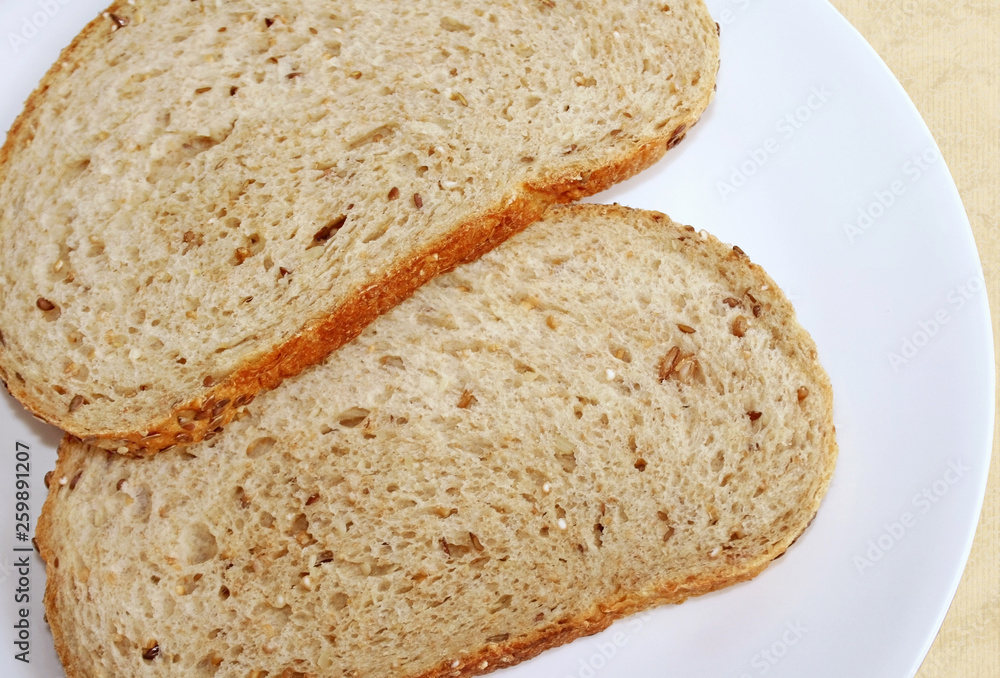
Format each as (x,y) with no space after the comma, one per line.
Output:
(946,53)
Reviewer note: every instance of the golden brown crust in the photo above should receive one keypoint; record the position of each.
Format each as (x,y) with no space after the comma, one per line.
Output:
(20,132)
(733,265)
(491,657)
(603,614)
(219,403)
(495,656)
(44,539)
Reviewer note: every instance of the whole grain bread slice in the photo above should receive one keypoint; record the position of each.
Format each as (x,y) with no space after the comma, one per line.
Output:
(201,199)
(608,412)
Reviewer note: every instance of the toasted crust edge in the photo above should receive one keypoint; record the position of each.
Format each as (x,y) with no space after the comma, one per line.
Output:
(734,265)
(492,657)
(597,619)
(469,240)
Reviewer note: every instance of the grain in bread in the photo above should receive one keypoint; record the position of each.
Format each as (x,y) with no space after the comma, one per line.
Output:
(203,198)
(608,412)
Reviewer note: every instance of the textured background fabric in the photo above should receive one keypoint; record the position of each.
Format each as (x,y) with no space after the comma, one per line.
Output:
(946,53)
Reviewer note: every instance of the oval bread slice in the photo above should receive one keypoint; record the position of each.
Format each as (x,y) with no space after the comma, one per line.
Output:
(608,412)
(203,198)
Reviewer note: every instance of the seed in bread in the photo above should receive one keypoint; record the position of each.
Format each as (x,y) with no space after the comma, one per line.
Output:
(463,485)
(202,199)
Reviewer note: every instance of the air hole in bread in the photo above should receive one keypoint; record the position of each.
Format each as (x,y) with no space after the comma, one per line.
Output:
(299,524)
(374,136)
(404,503)
(241,497)
(180,153)
(503,603)
(275,613)
(567,460)
(621,353)
(352,417)
(142,503)
(260,447)
(392,361)
(522,368)
(186,585)
(453,25)
(435,319)
(254,245)
(96,248)
(199,543)
(375,235)
(328,231)
(75,169)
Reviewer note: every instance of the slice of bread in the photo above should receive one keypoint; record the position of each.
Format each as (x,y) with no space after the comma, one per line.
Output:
(608,412)
(201,199)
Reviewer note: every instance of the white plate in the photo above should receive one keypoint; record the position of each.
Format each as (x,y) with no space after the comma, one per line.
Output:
(814,161)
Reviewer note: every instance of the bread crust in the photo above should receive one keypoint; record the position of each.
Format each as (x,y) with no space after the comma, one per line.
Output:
(469,240)
(491,657)
(472,240)
(604,614)
(501,655)
(733,265)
